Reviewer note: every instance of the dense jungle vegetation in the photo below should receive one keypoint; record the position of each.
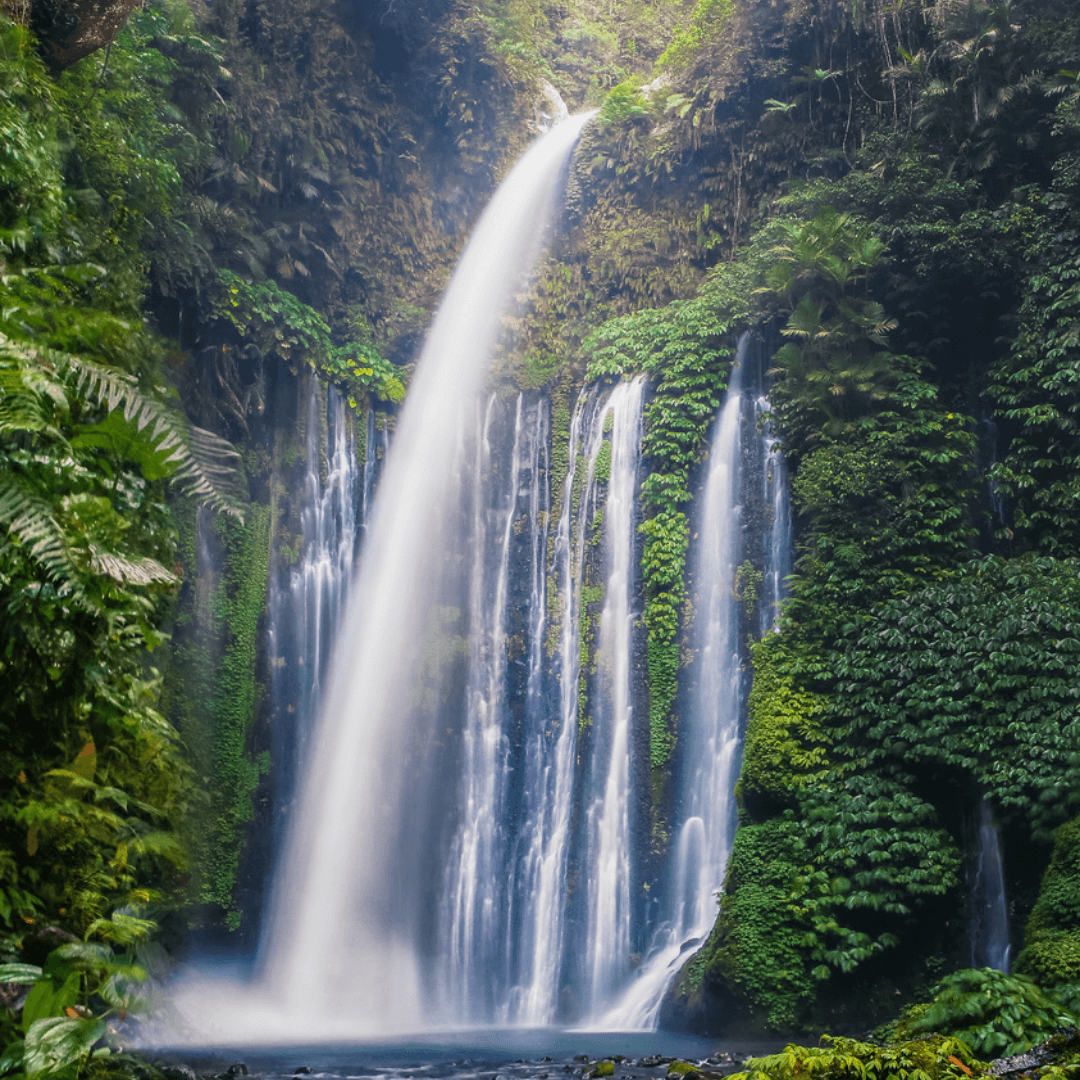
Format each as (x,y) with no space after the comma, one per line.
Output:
(230,196)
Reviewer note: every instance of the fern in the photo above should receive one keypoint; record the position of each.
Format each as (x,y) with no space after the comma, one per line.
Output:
(205,464)
(29,523)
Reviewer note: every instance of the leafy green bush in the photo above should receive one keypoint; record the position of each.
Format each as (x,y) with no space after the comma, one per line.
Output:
(786,745)
(936,1058)
(623,102)
(757,946)
(276,323)
(1051,953)
(876,854)
(973,677)
(62,1023)
(996,1014)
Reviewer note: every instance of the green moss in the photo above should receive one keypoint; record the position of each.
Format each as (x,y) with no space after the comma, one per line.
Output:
(603,462)
(557,473)
(663,660)
(786,746)
(592,600)
(239,605)
(681,1068)
(757,944)
(667,536)
(213,693)
(748,580)
(1051,953)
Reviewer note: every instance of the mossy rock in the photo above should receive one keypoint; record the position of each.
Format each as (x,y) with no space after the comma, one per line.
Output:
(682,1068)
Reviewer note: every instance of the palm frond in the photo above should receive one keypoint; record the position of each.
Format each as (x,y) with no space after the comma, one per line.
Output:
(129,571)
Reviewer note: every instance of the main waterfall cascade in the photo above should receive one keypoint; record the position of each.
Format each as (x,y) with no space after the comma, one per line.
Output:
(470,843)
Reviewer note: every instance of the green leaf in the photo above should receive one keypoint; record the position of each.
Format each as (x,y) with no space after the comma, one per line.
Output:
(50,997)
(19,973)
(53,1044)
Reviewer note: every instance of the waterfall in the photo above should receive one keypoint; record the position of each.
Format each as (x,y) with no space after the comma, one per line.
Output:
(477,914)
(350,922)
(503,907)
(376,447)
(988,921)
(306,599)
(745,467)
(779,537)
(609,844)
(552,745)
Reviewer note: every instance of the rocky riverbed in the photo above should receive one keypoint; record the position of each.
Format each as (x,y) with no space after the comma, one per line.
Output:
(623,1058)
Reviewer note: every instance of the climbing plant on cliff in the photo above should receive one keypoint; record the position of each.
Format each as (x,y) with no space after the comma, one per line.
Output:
(684,346)
(275,323)
(1051,953)
(971,677)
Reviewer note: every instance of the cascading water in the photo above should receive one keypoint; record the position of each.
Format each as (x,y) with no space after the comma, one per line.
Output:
(779,538)
(351,924)
(609,846)
(477,913)
(551,746)
(305,602)
(376,447)
(988,921)
(744,467)
(502,915)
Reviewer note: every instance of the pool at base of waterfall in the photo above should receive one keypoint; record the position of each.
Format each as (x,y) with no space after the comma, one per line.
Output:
(491,1055)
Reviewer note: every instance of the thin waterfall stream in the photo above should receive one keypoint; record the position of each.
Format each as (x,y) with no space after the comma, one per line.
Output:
(988,921)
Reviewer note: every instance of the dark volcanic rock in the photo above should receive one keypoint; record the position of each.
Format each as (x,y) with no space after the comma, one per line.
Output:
(1066,1041)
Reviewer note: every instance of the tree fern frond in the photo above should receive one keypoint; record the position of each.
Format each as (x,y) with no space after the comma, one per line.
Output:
(28,520)
(129,571)
(206,464)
